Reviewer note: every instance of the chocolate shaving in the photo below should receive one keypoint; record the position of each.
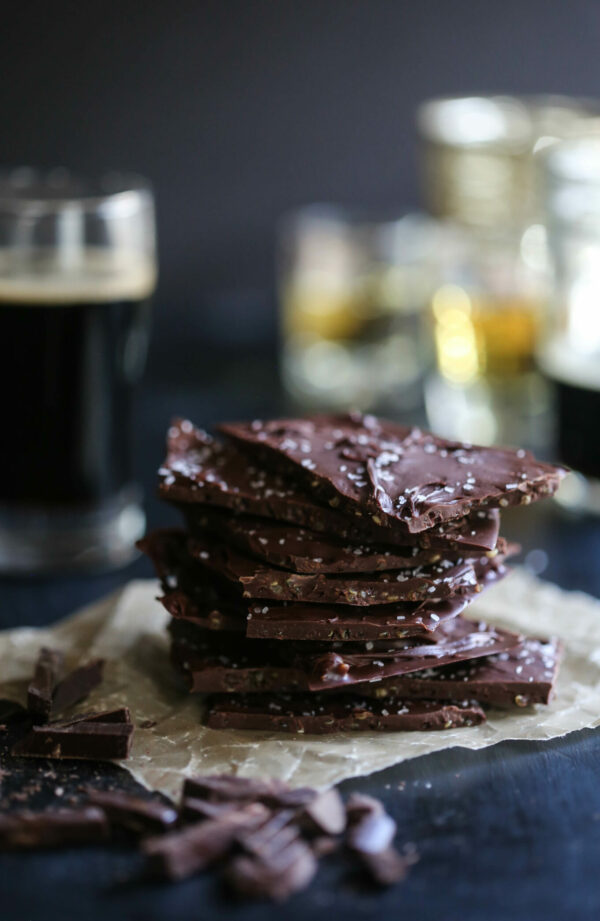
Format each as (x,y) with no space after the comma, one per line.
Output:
(77,685)
(59,828)
(180,854)
(98,737)
(42,685)
(141,816)
(370,835)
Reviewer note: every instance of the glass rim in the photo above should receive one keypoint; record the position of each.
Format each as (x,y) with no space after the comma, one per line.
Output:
(516,116)
(575,161)
(30,189)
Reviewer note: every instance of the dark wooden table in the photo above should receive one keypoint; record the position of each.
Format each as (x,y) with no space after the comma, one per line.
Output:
(509,832)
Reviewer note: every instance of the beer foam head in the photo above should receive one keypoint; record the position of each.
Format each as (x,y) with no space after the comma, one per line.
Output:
(88,275)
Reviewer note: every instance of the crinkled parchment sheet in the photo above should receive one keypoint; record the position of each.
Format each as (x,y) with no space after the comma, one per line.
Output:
(128,630)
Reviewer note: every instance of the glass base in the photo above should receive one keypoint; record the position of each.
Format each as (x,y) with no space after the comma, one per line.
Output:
(49,540)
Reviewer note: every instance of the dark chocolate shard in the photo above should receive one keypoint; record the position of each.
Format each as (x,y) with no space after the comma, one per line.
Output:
(323,845)
(141,816)
(397,474)
(255,580)
(180,854)
(241,666)
(370,835)
(302,550)
(57,828)
(201,471)
(193,809)
(218,790)
(296,621)
(42,685)
(326,813)
(77,685)
(231,787)
(219,616)
(370,829)
(326,713)
(187,593)
(118,715)
(385,868)
(276,877)
(518,677)
(275,833)
(98,737)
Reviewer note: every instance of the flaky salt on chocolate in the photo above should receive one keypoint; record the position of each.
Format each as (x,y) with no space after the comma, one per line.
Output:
(518,677)
(398,474)
(210,608)
(200,470)
(235,664)
(256,580)
(326,713)
(302,550)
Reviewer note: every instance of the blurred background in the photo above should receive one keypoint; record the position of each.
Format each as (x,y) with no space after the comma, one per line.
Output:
(327,235)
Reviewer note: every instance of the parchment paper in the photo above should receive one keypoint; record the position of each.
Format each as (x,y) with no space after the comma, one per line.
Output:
(128,629)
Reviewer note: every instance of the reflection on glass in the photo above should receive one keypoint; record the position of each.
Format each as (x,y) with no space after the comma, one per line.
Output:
(353,293)
(486,320)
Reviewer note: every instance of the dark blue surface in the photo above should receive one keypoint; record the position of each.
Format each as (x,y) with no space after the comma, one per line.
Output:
(510,832)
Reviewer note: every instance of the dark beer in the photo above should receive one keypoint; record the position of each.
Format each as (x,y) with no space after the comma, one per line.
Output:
(576,382)
(72,346)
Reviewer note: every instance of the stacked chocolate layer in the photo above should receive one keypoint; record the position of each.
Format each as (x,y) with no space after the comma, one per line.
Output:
(321,579)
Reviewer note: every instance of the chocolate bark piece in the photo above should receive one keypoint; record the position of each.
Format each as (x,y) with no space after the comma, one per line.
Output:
(286,867)
(47,692)
(57,828)
(77,684)
(519,677)
(275,833)
(188,592)
(303,550)
(296,621)
(141,816)
(386,868)
(326,713)
(180,854)
(98,737)
(370,835)
(238,665)
(370,828)
(325,813)
(220,616)
(340,622)
(199,471)
(255,580)
(394,473)
(167,549)
(193,809)
(232,788)
(45,679)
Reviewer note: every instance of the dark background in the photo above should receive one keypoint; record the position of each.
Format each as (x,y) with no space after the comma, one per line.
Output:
(238,111)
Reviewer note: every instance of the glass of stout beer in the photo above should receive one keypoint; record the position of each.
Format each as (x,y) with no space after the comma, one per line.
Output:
(77,271)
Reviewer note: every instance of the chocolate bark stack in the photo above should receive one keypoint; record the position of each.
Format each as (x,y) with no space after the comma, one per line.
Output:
(321,579)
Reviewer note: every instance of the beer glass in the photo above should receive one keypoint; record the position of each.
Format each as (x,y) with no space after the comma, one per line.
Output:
(353,290)
(77,271)
(569,352)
